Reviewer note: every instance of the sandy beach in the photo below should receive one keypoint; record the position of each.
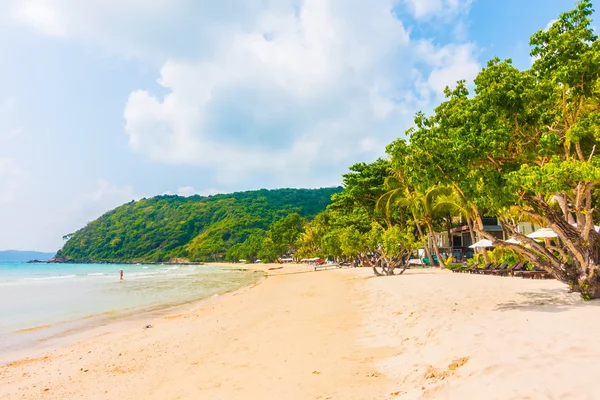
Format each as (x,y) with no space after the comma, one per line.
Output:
(338,334)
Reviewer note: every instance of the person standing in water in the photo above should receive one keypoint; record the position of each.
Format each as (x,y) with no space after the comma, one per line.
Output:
(120,274)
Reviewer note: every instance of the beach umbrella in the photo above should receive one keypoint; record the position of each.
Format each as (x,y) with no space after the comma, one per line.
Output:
(482,243)
(596,227)
(543,233)
(513,241)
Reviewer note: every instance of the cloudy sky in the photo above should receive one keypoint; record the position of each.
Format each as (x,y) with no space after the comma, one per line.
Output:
(105,101)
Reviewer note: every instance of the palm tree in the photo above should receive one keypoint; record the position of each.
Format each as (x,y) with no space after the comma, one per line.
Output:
(431,210)
(456,202)
(424,207)
(400,196)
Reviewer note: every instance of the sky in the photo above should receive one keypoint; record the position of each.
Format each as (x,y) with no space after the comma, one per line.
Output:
(107,101)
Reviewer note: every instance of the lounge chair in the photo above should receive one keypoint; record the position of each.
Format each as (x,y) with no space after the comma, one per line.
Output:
(460,269)
(490,267)
(476,268)
(495,269)
(536,273)
(518,270)
(466,268)
(502,267)
(479,269)
(511,270)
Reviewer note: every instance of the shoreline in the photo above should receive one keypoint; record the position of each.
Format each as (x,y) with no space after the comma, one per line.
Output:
(212,316)
(71,331)
(339,334)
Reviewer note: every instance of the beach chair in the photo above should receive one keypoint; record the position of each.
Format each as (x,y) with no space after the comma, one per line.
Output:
(535,273)
(495,268)
(488,268)
(501,268)
(467,267)
(478,270)
(471,269)
(509,271)
(460,269)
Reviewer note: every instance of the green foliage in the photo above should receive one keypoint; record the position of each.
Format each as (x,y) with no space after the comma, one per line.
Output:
(452,266)
(244,225)
(356,223)
(284,233)
(503,256)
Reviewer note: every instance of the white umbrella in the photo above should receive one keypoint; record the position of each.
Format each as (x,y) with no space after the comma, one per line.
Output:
(513,241)
(543,233)
(482,243)
(596,227)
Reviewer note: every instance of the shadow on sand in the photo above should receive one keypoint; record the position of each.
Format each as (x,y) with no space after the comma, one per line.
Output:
(547,300)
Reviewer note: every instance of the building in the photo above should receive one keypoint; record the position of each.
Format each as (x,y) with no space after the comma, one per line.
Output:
(460,237)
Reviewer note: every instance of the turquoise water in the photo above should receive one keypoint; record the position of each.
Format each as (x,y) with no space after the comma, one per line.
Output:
(41,300)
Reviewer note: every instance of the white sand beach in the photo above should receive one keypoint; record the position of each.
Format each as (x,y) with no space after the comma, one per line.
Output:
(339,334)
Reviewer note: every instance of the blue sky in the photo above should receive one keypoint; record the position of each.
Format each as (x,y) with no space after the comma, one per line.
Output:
(106,101)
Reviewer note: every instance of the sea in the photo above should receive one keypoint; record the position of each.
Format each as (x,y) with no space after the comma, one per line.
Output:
(42,303)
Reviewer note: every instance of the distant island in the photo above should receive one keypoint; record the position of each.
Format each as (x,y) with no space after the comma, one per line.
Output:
(21,256)
(172,228)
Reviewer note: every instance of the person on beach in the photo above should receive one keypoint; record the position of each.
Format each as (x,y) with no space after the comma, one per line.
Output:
(120,274)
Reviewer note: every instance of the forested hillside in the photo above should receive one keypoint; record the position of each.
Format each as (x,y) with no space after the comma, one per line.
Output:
(262,223)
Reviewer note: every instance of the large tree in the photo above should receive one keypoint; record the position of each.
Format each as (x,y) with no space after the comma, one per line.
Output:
(525,144)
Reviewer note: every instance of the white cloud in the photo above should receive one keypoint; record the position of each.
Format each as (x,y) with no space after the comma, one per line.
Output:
(187,191)
(310,74)
(344,74)
(451,63)
(549,24)
(428,8)
(40,15)
(284,88)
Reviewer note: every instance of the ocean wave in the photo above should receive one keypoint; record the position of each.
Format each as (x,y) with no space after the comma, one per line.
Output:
(96,274)
(48,278)
(168,268)
(140,274)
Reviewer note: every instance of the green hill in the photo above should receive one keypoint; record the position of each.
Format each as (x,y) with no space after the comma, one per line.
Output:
(220,227)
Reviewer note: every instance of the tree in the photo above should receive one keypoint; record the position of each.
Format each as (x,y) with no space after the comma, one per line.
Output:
(424,208)
(284,233)
(525,144)
(389,248)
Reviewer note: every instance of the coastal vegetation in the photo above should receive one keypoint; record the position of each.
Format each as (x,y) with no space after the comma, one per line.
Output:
(248,225)
(517,144)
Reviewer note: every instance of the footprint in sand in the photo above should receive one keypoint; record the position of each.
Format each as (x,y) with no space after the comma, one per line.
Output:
(435,373)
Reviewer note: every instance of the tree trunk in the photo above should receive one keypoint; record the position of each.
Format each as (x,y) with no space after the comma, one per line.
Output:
(580,270)
(471,233)
(562,202)
(448,220)
(421,236)
(435,246)
(479,223)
